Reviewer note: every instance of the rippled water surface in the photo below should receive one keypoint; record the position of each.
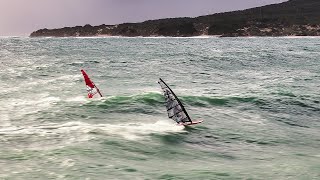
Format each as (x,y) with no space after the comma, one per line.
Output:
(259,99)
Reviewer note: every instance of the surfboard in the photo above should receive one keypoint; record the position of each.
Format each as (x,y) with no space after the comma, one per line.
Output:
(92,89)
(175,108)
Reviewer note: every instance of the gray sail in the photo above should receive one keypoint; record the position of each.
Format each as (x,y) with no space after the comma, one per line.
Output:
(174,107)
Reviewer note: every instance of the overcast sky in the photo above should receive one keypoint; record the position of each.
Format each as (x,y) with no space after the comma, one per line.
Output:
(21,17)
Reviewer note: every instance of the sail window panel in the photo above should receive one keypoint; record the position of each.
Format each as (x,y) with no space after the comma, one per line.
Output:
(174,112)
(169,108)
(92,91)
(177,109)
(180,117)
(172,104)
(170,114)
(174,107)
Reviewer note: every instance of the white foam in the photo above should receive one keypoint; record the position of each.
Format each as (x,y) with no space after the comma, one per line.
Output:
(89,37)
(61,78)
(5,120)
(78,131)
(42,101)
(136,131)
(146,37)
(297,37)
(77,99)
(18,108)
(67,163)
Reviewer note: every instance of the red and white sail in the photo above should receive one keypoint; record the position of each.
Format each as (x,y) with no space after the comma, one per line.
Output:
(92,89)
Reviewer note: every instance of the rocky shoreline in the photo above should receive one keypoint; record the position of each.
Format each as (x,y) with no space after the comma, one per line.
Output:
(291,18)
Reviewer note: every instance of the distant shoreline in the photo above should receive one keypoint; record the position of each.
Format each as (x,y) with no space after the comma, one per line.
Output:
(160,37)
(290,18)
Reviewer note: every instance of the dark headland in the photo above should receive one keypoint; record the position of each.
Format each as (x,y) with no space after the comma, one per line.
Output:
(290,18)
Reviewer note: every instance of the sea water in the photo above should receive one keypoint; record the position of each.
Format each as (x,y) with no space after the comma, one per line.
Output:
(259,99)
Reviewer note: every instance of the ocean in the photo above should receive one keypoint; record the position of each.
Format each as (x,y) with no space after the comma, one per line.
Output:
(259,99)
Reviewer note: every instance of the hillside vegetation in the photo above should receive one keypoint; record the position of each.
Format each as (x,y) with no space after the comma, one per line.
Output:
(294,17)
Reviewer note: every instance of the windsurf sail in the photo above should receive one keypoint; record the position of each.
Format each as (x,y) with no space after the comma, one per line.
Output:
(175,109)
(92,89)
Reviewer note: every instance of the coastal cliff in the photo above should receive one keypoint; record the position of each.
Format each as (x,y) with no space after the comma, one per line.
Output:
(291,18)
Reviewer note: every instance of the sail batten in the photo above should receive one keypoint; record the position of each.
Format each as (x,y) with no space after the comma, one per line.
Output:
(175,108)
